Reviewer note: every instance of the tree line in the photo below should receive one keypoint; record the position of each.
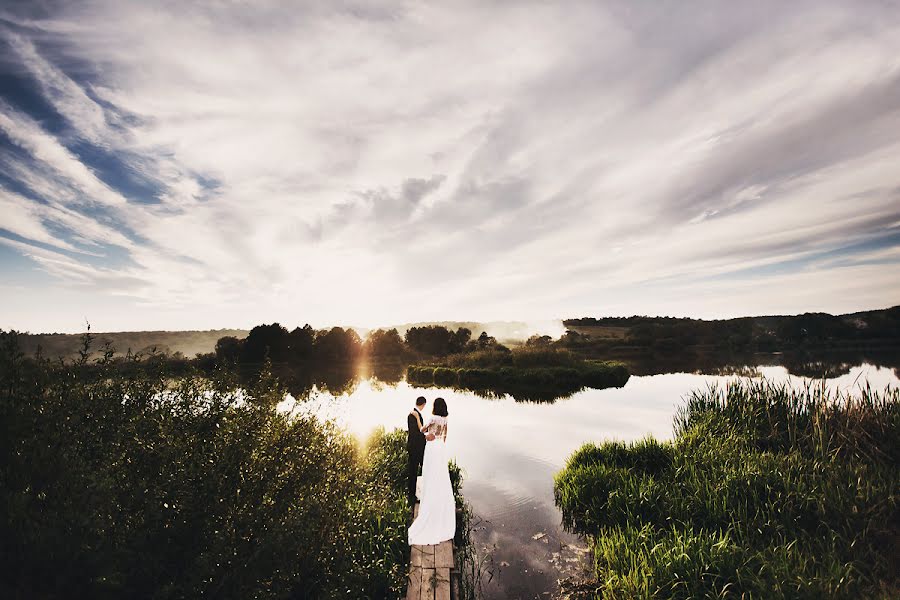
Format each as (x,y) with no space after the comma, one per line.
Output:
(760,334)
(276,343)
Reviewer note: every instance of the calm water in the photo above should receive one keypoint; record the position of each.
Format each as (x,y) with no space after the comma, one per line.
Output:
(511,450)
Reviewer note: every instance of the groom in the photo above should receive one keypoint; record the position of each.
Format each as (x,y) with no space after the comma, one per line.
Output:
(415,444)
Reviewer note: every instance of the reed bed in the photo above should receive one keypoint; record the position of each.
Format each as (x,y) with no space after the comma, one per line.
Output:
(766,491)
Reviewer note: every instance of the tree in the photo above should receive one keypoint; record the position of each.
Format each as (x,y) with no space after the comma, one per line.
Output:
(487,342)
(385,343)
(539,341)
(266,341)
(337,344)
(460,339)
(228,348)
(300,342)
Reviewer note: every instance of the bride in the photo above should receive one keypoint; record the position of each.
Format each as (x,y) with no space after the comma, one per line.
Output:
(437,509)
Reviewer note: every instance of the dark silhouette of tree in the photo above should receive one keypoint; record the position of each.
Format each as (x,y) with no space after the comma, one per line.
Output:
(229,348)
(460,339)
(337,344)
(300,342)
(539,340)
(486,342)
(385,344)
(436,340)
(266,341)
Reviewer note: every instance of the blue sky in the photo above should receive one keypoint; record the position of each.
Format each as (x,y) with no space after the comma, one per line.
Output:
(170,165)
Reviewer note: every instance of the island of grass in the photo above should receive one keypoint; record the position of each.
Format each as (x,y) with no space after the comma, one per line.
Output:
(526,373)
(765,492)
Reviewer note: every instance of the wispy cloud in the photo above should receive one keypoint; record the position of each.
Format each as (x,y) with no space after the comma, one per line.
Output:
(372,163)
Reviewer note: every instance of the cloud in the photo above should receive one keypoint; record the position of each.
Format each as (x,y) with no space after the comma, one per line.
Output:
(376,163)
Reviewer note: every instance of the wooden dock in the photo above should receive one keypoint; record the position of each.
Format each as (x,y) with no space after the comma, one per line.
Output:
(432,571)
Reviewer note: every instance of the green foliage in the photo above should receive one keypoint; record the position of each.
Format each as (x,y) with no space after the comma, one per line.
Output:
(385,344)
(445,376)
(275,343)
(421,374)
(766,491)
(436,340)
(141,483)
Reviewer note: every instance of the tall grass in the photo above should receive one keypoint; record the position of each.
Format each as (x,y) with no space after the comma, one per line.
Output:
(766,491)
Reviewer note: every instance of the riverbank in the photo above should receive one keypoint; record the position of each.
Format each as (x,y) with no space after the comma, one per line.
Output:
(765,490)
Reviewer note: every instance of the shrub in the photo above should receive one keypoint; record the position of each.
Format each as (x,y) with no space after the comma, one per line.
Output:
(445,376)
(137,483)
(422,374)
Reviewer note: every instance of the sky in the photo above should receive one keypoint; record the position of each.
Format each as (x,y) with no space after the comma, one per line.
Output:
(197,165)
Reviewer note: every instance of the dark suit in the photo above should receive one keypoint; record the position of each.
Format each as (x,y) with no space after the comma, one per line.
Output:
(415,444)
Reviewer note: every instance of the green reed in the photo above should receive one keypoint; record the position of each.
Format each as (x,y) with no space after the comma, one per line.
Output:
(766,491)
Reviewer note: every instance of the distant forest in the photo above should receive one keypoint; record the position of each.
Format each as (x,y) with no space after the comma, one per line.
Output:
(875,328)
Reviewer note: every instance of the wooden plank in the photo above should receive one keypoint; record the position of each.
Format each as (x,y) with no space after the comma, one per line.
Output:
(417,554)
(428,581)
(443,555)
(414,584)
(427,557)
(442,589)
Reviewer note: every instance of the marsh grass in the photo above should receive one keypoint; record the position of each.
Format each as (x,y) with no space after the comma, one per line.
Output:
(766,492)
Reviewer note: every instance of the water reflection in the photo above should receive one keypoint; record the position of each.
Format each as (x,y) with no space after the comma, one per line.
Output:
(812,363)
(511,450)
(338,380)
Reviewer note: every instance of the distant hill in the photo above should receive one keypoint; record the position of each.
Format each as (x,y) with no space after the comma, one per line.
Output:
(188,343)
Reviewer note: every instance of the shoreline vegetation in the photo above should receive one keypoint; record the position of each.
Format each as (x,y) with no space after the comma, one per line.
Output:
(145,483)
(766,491)
(526,373)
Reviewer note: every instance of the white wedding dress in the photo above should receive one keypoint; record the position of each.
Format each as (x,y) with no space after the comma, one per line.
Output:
(437,509)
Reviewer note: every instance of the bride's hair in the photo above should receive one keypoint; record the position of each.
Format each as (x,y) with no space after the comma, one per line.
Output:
(440,407)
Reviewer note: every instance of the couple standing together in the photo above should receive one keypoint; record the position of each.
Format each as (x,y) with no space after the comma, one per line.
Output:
(426,443)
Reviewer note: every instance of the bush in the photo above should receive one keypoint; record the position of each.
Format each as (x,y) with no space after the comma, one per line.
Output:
(421,374)
(445,376)
(137,483)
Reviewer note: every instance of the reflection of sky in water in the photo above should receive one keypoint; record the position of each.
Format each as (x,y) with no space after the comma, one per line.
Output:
(511,450)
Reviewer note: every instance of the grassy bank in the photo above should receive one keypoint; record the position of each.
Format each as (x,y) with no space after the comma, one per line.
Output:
(525,373)
(144,484)
(765,492)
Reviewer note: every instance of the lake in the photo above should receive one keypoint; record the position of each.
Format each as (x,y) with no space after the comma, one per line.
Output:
(511,450)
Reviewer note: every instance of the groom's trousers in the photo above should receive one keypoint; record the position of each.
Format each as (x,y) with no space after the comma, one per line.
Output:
(416,454)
